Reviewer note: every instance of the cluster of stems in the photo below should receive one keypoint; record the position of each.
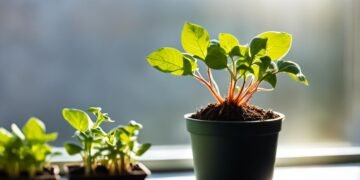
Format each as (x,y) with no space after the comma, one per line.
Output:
(239,95)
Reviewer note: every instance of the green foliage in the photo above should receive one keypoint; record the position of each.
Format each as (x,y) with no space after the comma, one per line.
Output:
(116,149)
(77,119)
(228,41)
(216,58)
(195,40)
(293,70)
(26,150)
(171,60)
(278,44)
(258,47)
(261,60)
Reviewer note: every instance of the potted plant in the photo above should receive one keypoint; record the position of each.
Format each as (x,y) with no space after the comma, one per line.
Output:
(25,154)
(230,138)
(105,155)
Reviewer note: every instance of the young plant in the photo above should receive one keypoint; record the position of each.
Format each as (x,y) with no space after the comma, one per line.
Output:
(248,65)
(121,148)
(116,149)
(26,150)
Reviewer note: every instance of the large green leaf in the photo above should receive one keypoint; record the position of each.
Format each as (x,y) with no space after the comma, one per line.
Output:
(278,44)
(78,119)
(228,41)
(195,39)
(72,148)
(216,58)
(171,60)
(293,70)
(34,130)
(258,47)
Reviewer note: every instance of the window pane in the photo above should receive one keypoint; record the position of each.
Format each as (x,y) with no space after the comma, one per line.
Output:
(92,53)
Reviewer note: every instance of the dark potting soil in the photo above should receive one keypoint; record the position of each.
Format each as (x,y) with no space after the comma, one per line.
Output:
(48,173)
(77,172)
(232,112)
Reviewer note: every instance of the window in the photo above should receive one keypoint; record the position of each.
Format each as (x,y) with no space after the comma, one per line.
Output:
(80,54)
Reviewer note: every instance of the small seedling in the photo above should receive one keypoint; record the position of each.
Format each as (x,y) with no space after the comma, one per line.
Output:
(26,150)
(117,149)
(250,64)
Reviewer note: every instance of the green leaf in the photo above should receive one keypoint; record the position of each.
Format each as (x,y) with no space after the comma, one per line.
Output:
(278,44)
(40,151)
(300,78)
(195,39)
(34,130)
(135,124)
(293,70)
(170,60)
(235,52)
(133,128)
(244,50)
(243,69)
(193,63)
(142,149)
(100,116)
(17,132)
(94,110)
(258,47)
(216,58)
(98,132)
(78,119)
(261,66)
(72,148)
(5,136)
(215,42)
(123,135)
(228,41)
(288,67)
(271,79)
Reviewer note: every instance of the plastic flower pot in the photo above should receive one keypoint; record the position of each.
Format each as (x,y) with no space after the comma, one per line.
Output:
(243,150)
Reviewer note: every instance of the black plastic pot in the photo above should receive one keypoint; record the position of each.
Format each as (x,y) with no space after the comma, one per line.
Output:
(77,172)
(234,150)
(51,173)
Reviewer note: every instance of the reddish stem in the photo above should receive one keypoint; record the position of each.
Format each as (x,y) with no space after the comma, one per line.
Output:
(211,88)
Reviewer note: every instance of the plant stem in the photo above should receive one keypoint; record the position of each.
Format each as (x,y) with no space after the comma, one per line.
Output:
(211,88)
(242,96)
(209,76)
(122,165)
(232,83)
(241,90)
(116,166)
(251,93)
(212,80)
(88,157)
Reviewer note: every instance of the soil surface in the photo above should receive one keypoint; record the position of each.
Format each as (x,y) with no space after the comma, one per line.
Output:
(232,112)
(76,170)
(48,173)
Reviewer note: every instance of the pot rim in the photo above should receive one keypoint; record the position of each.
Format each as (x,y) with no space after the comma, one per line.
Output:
(280,118)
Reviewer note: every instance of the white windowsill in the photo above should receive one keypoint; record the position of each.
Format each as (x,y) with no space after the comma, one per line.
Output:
(179,157)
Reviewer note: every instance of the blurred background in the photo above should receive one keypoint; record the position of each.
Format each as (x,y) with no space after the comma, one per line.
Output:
(56,54)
